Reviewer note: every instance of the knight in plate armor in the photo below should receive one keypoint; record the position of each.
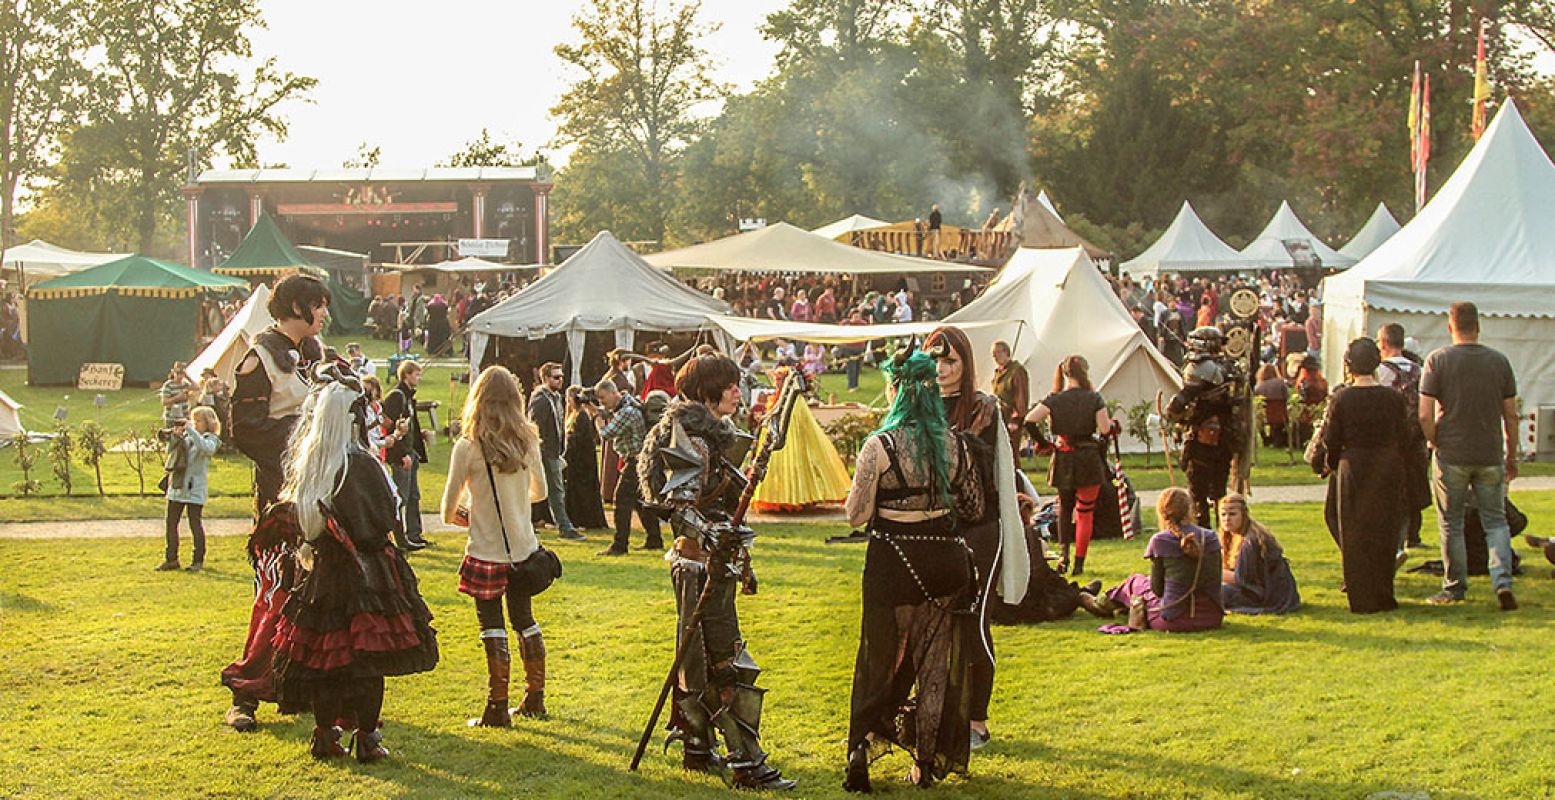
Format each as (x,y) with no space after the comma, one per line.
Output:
(689,469)
(1210,417)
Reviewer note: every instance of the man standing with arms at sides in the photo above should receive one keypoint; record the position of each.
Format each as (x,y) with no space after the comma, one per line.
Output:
(547,408)
(1012,386)
(406,450)
(620,421)
(1468,413)
(935,221)
(1399,371)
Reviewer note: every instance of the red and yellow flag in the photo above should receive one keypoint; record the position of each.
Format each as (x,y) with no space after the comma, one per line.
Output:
(1423,149)
(1481,84)
(1414,121)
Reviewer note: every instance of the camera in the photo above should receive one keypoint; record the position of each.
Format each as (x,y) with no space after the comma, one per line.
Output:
(589,396)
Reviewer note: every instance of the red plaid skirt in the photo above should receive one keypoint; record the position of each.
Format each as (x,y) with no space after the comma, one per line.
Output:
(483,580)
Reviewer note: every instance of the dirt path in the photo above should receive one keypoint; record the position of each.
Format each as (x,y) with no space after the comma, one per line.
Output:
(152,528)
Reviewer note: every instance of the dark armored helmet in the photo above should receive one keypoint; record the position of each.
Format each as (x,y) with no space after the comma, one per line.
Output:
(1207,340)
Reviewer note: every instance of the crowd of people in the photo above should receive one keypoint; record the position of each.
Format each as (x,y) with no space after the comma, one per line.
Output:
(938,490)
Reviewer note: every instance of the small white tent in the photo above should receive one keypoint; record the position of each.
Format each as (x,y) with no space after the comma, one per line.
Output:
(38,260)
(1378,229)
(1072,310)
(228,348)
(602,287)
(1269,250)
(10,420)
(1187,245)
(1485,237)
(842,227)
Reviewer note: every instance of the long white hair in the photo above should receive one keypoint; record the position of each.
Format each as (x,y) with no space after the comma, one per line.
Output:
(316,454)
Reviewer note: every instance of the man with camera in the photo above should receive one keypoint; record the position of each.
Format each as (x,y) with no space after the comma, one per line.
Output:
(620,421)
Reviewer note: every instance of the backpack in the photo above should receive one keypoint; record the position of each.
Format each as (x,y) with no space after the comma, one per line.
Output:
(1407,382)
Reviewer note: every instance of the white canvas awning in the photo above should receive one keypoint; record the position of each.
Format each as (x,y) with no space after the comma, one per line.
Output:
(469,264)
(750,329)
(10,419)
(1187,245)
(38,260)
(785,248)
(1270,251)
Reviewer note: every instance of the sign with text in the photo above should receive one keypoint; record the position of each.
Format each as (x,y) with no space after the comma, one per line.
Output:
(483,248)
(101,377)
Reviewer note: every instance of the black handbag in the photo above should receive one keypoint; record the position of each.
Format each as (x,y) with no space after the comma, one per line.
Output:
(534,574)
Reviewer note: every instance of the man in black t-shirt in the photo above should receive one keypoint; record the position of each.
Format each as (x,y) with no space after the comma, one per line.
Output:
(1468,413)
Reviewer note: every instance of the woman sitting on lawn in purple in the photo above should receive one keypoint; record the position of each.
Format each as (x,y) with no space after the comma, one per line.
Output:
(1182,592)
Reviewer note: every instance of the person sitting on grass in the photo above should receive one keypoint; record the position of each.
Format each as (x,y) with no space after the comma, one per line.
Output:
(1255,576)
(186,487)
(1182,592)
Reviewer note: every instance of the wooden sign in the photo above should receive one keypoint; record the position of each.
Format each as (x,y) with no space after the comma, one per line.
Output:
(101,377)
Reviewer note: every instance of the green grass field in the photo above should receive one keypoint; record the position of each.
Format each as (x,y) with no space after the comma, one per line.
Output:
(108,686)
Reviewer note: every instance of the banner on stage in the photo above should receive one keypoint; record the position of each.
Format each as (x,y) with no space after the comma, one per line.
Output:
(482,248)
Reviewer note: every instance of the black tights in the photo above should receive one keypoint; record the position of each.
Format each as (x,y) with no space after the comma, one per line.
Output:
(196,526)
(489,612)
(364,699)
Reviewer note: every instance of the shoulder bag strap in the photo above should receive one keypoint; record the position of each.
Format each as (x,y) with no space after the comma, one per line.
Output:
(501,525)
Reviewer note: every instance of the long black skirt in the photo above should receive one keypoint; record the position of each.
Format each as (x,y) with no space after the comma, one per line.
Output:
(911,682)
(1368,507)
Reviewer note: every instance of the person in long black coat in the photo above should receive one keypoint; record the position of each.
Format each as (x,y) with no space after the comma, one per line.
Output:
(1367,445)
(584,506)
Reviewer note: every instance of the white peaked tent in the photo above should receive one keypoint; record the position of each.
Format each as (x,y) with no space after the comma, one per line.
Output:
(1486,237)
(843,227)
(228,348)
(10,420)
(602,287)
(1047,203)
(1268,250)
(1187,245)
(38,260)
(1071,310)
(1378,229)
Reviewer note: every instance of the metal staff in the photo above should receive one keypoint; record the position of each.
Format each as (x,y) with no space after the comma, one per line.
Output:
(777,436)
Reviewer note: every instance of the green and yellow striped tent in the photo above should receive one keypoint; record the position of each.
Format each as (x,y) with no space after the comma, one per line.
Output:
(266,255)
(136,311)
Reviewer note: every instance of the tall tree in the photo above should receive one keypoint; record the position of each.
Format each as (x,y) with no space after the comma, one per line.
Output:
(176,89)
(644,75)
(41,48)
(484,151)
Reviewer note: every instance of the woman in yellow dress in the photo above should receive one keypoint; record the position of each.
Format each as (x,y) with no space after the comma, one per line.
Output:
(807,472)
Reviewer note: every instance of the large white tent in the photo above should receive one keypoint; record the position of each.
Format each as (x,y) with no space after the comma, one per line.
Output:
(228,348)
(1187,245)
(1269,250)
(1378,229)
(1071,310)
(10,419)
(782,247)
(38,260)
(843,227)
(1486,237)
(602,287)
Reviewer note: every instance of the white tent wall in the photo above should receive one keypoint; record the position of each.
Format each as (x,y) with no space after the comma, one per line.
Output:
(230,345)
(10,419)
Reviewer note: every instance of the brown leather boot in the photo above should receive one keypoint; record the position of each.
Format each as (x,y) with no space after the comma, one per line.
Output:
(499,666)
(326,742)
(531,649)
(1099,606)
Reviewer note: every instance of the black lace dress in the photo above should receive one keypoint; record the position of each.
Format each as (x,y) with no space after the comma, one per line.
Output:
(912,682)
(357,615)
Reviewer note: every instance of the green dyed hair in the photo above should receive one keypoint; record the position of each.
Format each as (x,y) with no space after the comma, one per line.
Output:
(920,412)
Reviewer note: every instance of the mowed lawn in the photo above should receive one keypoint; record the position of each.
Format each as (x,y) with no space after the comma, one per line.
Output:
(108,686)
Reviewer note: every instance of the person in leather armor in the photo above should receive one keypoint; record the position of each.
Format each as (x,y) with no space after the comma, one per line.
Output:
(1207,411)
(688,469)
(273,380)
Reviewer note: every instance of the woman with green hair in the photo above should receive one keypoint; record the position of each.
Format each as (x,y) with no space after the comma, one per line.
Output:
(914,479)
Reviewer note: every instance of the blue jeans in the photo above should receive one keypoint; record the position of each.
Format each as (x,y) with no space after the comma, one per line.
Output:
(1452,486)
(854,361)
(556,493)
(409,488)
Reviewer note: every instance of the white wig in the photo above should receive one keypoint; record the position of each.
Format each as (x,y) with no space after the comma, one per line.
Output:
(316,455)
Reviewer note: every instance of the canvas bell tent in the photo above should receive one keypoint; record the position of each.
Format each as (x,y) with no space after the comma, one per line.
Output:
(1187,246)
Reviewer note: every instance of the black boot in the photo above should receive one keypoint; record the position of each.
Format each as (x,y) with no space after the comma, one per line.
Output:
(857,777)
(1079,566)
(369,746)
(326,742)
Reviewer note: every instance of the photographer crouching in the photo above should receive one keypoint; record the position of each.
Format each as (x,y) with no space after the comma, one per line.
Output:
(620,421)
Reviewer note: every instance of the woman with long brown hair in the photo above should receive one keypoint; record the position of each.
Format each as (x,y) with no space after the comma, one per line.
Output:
(1256,577)
(494,474)
(996,537)
(1076,470)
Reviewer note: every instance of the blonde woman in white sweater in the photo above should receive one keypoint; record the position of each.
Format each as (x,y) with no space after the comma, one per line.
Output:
(494,474)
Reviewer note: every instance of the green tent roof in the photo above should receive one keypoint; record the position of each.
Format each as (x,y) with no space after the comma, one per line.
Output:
(265,250)
(136,275)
